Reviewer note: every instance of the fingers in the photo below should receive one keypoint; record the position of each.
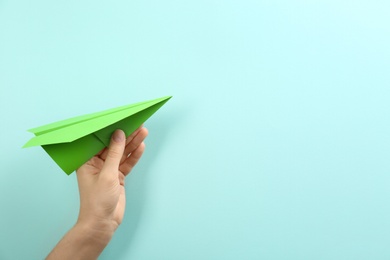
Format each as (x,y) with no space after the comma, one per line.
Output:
(103,154)
(132,160)
(114,153)
(135,142)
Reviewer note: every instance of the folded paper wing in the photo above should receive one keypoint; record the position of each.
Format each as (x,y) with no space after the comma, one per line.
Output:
(72,142)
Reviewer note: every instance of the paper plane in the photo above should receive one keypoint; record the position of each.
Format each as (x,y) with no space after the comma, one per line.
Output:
(72,142)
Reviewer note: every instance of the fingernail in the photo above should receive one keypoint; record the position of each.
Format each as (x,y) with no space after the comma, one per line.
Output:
(118,136)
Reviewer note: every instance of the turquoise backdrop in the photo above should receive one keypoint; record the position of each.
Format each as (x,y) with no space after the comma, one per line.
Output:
(274,146)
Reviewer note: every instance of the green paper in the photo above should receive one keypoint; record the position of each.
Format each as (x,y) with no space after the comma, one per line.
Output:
(72,142)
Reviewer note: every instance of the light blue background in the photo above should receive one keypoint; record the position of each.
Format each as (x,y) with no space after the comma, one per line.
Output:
(275,145)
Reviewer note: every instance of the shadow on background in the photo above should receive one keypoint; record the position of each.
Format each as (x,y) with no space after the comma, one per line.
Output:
(136,185)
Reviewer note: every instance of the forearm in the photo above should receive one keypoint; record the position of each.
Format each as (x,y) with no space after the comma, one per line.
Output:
(83,241)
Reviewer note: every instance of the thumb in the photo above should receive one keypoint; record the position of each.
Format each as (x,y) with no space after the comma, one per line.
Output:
(115,151)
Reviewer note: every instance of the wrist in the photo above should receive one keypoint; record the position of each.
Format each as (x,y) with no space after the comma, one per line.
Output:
(86,240)
(99,231)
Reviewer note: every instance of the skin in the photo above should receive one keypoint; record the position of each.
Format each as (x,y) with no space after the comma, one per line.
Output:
(101,183)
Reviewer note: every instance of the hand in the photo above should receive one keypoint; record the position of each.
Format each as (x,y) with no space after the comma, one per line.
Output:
(102,197)
(101,180)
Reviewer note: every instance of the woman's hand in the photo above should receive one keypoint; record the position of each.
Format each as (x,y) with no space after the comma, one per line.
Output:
(102,197)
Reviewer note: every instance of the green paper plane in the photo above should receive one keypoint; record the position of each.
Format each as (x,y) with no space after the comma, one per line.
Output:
(72,142)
